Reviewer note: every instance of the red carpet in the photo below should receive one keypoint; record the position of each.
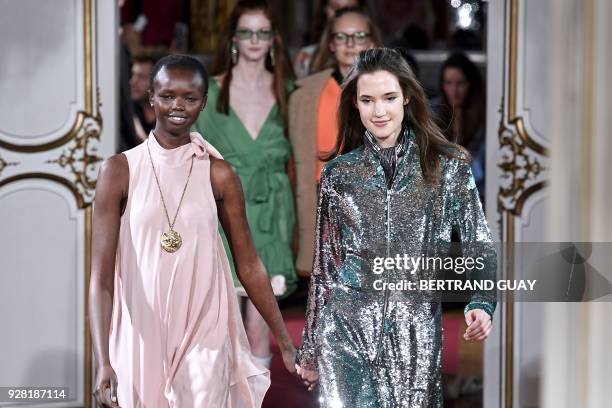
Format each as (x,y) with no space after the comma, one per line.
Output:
(452,326)
(288,391)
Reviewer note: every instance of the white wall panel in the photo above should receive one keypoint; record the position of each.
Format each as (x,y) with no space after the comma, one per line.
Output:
(58,121)
(42,285)
(43,83)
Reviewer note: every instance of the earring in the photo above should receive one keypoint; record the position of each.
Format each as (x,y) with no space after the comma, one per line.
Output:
(272,62)
(234,54)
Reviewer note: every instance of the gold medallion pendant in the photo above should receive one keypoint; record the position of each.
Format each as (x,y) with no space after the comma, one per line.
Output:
(171,241)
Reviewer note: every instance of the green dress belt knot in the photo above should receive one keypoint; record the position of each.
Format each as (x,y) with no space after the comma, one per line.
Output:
(262,188)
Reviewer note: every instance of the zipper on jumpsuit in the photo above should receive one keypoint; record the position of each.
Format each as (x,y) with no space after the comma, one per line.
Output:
(386,297)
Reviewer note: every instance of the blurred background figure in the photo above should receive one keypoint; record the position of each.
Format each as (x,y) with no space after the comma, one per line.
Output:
(312,113)
(409,58)
(324,11)
(460,110)
(155,24)
(350,31)
(244,119)
(144,116)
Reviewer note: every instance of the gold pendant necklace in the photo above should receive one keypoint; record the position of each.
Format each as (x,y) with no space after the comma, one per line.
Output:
(171,240)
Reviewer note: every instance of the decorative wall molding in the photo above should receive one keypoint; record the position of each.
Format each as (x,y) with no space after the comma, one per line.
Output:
(524,166)
(521,163)
(81,158)
(69,159)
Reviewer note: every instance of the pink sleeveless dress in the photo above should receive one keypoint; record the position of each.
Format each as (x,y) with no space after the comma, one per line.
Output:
(176,336)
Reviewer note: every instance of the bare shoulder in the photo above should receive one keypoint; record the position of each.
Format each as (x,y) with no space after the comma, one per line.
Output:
(115,166)
(114,173)
(115,163)
(223,177)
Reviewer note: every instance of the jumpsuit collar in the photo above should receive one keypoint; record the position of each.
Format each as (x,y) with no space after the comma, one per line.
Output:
(389,157)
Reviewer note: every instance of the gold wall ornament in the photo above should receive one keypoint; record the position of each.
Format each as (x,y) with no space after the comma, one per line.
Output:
(520,162)
(81,158)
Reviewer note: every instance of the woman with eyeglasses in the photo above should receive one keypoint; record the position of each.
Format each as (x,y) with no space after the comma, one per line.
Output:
(244,120)
(324,11)
(312,114)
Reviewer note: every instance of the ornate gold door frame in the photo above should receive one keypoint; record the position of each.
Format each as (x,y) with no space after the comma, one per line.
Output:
(523,173)
(72,160)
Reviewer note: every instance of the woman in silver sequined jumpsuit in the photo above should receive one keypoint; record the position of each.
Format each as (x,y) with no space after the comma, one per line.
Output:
(395,187)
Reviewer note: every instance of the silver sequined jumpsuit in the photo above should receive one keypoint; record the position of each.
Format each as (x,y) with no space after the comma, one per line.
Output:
(382,348)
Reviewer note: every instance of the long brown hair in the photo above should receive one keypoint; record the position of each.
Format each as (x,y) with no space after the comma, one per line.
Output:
(417,113)
(473,107)
(324,58)
(281,69)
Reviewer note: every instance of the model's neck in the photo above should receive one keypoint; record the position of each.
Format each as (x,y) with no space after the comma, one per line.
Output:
(250,73)
(170,141)
(389,141)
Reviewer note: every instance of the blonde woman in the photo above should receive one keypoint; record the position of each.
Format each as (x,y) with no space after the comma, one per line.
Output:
(312,114)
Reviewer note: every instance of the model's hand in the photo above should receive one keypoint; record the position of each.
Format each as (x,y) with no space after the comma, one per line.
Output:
(105,390)
(310,378)
(289,353)
(479,325)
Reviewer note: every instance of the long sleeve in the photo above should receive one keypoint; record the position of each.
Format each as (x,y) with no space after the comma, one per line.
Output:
(471,224)
(327,259)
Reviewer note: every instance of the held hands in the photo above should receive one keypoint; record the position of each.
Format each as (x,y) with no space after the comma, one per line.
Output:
(105,389)
(479,325)
(310,378)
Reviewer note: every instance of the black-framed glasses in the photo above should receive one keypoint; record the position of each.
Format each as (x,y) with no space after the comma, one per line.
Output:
(359,37)
(246,34)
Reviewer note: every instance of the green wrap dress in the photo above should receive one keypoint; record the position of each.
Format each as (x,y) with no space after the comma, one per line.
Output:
(261,166)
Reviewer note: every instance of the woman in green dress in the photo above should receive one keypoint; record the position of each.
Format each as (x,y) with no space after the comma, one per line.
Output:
(244,120)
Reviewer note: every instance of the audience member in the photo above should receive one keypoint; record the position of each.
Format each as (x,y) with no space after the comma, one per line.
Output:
(313,125)
(461,112)
(324,11)
(144,116)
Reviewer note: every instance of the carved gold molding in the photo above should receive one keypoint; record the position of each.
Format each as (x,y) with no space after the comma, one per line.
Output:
(81,158)
(88,92)
(520,166)
(520,163)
